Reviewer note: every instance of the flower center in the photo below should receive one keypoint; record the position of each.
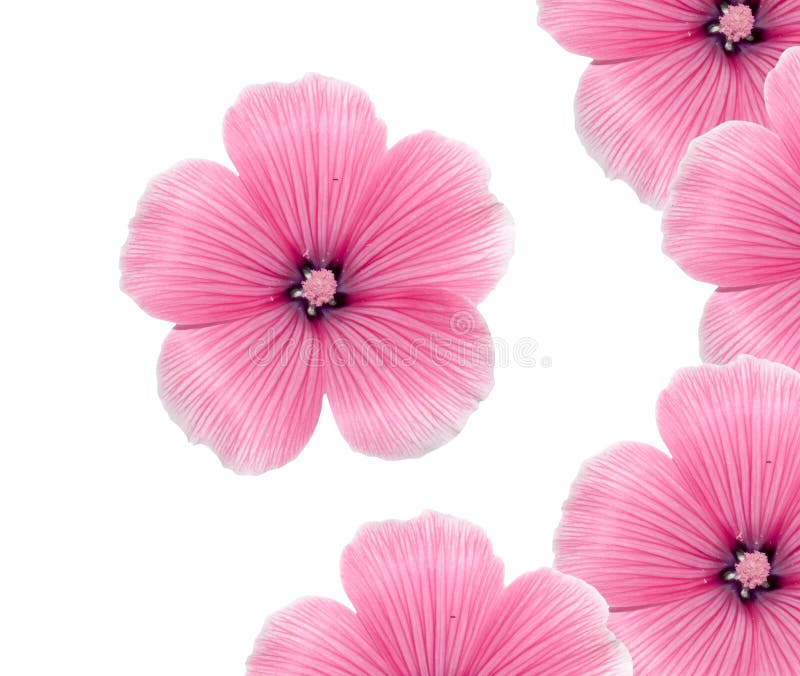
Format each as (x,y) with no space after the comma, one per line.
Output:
(737,22)
(753,570)
(319,287)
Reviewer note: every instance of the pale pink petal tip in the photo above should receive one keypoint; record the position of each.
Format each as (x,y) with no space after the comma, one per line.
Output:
(429,599)
(327,265)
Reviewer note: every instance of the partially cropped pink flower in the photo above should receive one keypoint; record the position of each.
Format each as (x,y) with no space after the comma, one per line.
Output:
(734,221)
(698,554)
(429,601)
(666,71)
(327,265)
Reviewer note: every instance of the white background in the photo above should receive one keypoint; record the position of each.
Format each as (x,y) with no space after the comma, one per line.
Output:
(125,550)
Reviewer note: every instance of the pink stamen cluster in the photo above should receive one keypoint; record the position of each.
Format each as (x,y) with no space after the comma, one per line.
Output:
(753,570)
(737,23)
(320,287)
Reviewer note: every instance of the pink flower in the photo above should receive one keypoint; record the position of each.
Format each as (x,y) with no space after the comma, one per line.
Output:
(698,554)
(429,601)
(666,71)
(328,265)
(734,220)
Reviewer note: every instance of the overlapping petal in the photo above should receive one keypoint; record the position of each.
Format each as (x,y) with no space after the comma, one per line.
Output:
(306,152)
(703,633)
(736,231)
(761,321)
(315,637)
(198,252)
(429,601)
(637,117)
(250,389)
(429,220)
(549,623)
(424,590)
(733,432)
(632,531)
(405,369)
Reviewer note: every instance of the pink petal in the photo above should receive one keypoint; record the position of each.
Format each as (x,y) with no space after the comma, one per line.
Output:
(736,427)
(430,220)
(623,29)
(423,589)
(703,633)
(637,117)
(761,321)
(776,622)
(786,561)
(198,252)
(782,94)
(740,231)
(630,530)
(549,623)
(315,637)
(780,19)
(407,368)
(249,389)
(305,152)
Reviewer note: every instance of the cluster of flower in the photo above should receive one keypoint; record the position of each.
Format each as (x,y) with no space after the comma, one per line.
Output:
(325,237)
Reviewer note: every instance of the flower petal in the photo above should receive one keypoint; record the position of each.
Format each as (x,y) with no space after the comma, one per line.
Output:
(782,94)
(314,636)
(777,620)
(786,561)
(637,117)
(630,530)
(198,252)
(736,232)
(249,389)
(407,368)
(423,589)
(761,321)
(781,21)
(430,220)
(305,151)
(623,29)
(549,623)
(734,435)
(705,633)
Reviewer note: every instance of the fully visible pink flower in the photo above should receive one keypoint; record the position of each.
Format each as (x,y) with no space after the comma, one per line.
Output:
(666,71)
(429,601)
(327,265)
(698,554)
(734,220)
